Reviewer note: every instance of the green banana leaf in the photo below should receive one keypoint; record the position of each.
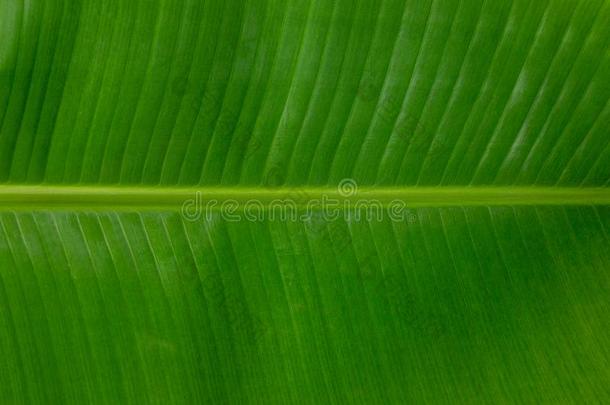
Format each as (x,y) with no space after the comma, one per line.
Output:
(136,136)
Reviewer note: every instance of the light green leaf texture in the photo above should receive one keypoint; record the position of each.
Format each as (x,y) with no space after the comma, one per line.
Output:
(488,119)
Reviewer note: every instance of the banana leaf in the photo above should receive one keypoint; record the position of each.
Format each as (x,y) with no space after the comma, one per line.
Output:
(159,160)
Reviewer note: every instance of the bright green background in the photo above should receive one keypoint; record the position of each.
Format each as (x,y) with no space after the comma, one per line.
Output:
(305,92)
(461,304)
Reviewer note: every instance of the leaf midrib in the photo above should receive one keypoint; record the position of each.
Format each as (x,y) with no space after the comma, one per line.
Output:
(146,197)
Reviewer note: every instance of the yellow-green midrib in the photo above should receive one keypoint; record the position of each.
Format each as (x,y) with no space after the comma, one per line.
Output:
(25,196)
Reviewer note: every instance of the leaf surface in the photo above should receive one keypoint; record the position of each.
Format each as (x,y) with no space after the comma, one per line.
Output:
(488,120)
